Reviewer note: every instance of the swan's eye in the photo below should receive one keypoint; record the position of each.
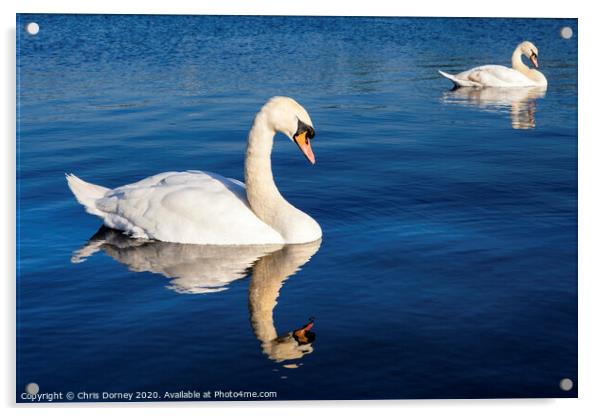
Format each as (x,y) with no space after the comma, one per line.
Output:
(304,128)
(310,133)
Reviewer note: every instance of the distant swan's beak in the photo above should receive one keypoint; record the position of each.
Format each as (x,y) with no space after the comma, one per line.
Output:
(302,140)
(534,60)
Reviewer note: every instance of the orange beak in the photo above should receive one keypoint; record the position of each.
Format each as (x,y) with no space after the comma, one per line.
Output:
(303,142)
(534,60)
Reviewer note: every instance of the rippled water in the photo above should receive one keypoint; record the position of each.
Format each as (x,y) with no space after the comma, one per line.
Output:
(448,266)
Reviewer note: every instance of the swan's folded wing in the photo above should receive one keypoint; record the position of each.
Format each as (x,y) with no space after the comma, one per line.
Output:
(497,76)
(186,207)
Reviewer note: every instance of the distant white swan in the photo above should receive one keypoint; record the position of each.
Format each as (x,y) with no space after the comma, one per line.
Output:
(197,207)
(520,75)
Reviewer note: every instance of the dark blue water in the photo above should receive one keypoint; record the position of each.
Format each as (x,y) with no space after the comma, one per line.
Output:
(448,266)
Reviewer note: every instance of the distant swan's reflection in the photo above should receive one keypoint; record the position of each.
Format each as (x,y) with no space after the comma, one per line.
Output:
(197,269)
(519,102)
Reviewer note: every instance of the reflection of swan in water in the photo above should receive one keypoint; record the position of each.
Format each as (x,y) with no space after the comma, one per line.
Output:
(519,102)
(197,269)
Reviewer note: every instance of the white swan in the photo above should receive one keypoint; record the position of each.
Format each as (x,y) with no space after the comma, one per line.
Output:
(520,75)
(197,207)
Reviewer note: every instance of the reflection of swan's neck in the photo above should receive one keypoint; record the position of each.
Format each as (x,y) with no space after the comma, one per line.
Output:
(263,195)
(264,289)
(269,274)
(522,114)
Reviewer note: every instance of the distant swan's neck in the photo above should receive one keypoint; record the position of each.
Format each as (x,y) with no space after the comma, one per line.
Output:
(517,62)
(263,195)
(534,75)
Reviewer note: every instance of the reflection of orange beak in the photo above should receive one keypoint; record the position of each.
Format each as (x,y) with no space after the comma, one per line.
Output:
(534,60)
(303,142)
(300,333)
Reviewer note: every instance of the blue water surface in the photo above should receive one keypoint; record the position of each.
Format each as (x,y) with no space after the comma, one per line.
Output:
(448,266)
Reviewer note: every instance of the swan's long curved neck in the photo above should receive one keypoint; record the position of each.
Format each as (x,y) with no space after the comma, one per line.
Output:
(262,194)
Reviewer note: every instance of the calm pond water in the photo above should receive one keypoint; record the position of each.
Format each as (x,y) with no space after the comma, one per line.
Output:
(448,266)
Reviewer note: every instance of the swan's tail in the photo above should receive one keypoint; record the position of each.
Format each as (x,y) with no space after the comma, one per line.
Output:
(86,193)
(459,82)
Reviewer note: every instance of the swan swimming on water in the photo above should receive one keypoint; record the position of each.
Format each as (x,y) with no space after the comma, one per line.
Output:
(520,75)
(197,207)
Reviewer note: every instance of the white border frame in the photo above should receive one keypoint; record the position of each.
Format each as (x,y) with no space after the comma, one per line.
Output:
(590,207)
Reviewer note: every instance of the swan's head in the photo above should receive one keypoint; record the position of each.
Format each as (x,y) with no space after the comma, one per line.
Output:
(530,51)
(290,118)
(293,345)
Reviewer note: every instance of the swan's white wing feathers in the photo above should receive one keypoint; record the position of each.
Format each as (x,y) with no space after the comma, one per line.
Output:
(459,82)
(497,75)
(186,207)
(490,76)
